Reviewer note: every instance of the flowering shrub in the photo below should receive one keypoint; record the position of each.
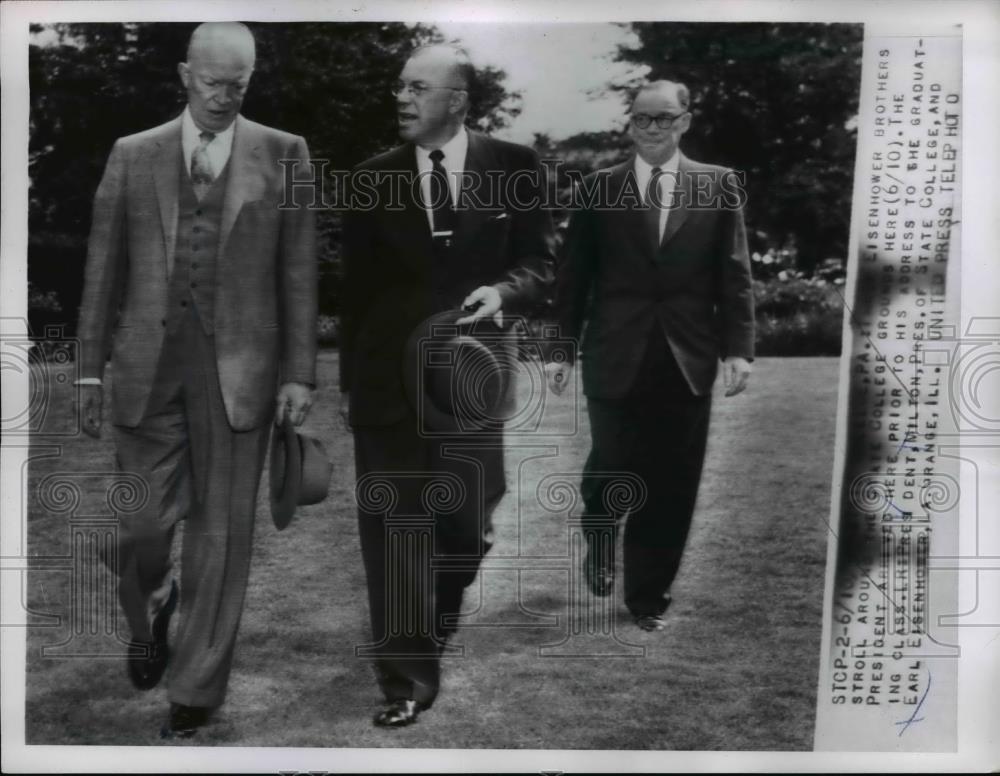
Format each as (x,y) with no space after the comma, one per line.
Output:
(771,262)
(782,297)
(799,316)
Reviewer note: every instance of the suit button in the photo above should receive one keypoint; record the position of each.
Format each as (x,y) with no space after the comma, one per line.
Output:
(194,265)
(184,303)
(163,322)
(197,212)
(194,285)
(196,229)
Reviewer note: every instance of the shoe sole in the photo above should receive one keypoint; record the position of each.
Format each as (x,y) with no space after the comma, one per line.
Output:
(169,733)
(161,626)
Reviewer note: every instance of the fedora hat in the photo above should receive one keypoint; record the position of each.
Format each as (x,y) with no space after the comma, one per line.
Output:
(455,376)
(300,472)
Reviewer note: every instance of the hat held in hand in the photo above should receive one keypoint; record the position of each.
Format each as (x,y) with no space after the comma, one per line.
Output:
(300,472)
(456,377)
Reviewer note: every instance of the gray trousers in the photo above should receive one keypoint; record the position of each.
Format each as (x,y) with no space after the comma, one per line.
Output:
(198,470)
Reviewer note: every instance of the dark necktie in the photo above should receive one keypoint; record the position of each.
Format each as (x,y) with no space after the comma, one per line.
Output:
(655,201)
(441,205)
(201,166)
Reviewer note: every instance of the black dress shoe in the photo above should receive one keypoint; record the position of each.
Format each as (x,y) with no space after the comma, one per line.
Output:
(399,713)
(599,573)
(650,622)
(148,659)
(184,721)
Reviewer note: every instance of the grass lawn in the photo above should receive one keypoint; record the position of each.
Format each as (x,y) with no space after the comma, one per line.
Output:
(544,665)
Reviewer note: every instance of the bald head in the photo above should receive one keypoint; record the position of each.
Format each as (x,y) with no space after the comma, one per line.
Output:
(451,60)
(215,40)
(220,59)
(432,107)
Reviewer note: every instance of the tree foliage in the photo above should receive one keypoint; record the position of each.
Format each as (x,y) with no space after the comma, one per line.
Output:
(778,102)
(775,101)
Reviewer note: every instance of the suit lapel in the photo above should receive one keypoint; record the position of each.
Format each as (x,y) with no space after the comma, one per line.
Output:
(244,183)
(479,160)
(415,225)
(625,196)
(166,176)
(683,191)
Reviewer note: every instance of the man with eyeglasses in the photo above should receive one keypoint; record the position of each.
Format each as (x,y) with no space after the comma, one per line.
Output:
(207,290)
(469,232)
(660,276)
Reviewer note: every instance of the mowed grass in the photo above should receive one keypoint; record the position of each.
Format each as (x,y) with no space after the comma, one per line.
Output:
(543,664)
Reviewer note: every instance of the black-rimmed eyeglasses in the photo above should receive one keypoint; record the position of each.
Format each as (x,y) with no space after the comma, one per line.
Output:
(663,120)
(419,88)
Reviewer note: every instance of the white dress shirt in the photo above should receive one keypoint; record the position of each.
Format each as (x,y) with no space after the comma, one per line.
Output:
(218,149)
(668,182)
(453,162)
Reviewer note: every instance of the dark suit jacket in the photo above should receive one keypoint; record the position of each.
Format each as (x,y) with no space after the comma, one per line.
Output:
(695,286)
(393,280)
(265,294)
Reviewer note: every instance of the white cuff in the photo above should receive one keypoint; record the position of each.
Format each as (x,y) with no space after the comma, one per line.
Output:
(88,381)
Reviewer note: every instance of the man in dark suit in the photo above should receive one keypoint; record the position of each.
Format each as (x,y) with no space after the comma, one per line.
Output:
(449,219)
(208,291)
(657,269)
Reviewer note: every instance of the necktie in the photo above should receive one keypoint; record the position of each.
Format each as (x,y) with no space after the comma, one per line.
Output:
(655,201)
(441,205)
(201,166)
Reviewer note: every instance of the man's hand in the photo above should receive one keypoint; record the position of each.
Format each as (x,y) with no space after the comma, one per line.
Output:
(344,409)
(559,374)
(489,301)
(293,400)
(90,404)
(735,373)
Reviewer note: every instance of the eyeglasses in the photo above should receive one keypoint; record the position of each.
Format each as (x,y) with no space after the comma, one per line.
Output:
(663,121)
(418,88)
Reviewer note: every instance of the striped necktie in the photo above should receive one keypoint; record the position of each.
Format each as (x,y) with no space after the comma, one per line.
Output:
(201,166)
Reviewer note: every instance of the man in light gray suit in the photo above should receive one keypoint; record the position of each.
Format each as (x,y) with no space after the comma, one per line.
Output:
(205,290)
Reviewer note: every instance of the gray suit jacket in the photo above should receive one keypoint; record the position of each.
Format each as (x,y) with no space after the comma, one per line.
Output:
(265,296)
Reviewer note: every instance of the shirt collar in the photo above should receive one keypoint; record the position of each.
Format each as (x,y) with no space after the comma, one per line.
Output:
(454,152)
(190,134)
(644,169)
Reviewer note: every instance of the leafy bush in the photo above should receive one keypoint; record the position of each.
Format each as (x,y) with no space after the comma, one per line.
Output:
(815,333)
(783,298)
(798,316)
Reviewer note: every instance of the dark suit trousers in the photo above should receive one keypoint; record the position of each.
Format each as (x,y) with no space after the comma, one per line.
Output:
(657,433)
(425,508)
(198,470)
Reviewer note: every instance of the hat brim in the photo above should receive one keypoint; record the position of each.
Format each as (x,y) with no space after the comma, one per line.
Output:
(438,326)
(286,474)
